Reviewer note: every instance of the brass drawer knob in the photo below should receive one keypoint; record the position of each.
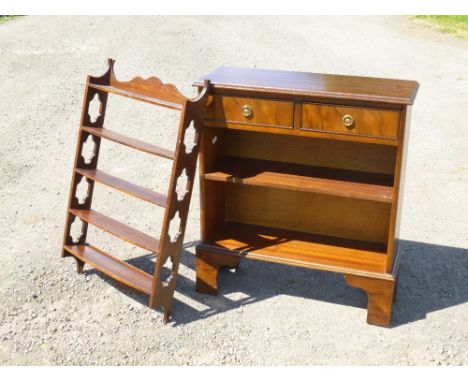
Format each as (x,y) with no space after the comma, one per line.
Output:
(247,111)
(348,121)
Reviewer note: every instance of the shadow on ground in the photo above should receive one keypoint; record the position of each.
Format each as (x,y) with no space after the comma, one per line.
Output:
(432,277)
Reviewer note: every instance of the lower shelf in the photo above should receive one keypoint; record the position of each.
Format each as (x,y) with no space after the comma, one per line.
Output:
(113,267)
(297,249)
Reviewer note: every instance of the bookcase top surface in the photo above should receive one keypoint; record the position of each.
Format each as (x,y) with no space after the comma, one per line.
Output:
(313,85)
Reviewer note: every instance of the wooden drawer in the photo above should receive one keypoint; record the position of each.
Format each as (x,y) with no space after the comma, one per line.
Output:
(366,122)
(251,111)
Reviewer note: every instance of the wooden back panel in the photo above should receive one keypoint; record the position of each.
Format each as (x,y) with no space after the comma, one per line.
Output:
(311,151)
(308,212)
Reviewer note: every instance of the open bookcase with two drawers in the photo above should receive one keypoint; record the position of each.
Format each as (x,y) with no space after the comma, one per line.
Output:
(304,179)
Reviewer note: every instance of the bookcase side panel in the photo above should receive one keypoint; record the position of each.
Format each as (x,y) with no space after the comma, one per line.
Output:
(212,203)
(398,194)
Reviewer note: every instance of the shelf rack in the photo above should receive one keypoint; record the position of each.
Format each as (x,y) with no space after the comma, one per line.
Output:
(167,247)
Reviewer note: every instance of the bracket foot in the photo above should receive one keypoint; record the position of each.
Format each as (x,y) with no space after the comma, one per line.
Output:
(380,294)
(207,268)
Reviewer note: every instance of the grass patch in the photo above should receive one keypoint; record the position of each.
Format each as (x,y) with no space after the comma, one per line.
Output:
(456,25)
(4,18)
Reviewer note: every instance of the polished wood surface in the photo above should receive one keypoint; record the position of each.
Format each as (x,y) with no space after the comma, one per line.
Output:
(208,263)
(118,229)
(297,248)
(125,186)
(369,122)
(308,212)
(350,184)
(151,90)
(302,133)
(379,297)
(393,234)
(313,85)
(130,142)
(161,285)
(264,113)
(132,93)
(323,193)
(113,267)
(332,154)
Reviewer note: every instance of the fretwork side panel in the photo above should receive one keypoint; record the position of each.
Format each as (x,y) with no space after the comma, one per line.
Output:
(167,246)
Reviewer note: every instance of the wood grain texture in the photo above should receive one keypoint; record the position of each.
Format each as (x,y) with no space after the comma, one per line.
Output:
(264,113)
(367,121)
(118,229)
(400,165)
(207,265)
(329,135)
(353,156)
(151,90)
(130,142)
(176,213)
(285,83)
(308,212)
(379,298)
(211,193)
(76,178)
(349,184)
(113,267)
(295,248)
(125,186)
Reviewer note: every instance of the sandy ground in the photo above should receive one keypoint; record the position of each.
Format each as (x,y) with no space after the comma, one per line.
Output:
(265,314)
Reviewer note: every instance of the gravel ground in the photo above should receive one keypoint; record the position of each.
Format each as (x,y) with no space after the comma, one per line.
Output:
(265,314)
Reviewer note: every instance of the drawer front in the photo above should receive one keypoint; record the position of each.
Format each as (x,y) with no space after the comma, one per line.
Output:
(251,111)
(350,120)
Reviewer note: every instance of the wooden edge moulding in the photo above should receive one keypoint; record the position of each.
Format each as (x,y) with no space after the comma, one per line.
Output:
(159,286)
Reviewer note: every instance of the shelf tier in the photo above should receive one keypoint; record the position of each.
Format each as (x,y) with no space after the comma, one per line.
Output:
(124,186)
(298,249)
(129,142)
(118,229)
(344,183)
(113,267)
(137,96)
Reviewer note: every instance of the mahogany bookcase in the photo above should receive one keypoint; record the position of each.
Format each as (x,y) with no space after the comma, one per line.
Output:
(306,170)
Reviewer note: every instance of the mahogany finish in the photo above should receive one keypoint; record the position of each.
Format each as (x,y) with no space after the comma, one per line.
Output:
(130,142)
(117,229)
(124,186)
(159,287)
(266,113)
(312,85)
(304,169)
(346,183)
(368,122)
(111,266)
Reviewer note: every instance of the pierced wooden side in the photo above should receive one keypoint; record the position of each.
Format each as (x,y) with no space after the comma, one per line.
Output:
(82,162)
(178,199)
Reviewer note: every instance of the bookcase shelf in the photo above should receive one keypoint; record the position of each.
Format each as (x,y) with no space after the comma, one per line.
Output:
(297,248)
(345,183)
